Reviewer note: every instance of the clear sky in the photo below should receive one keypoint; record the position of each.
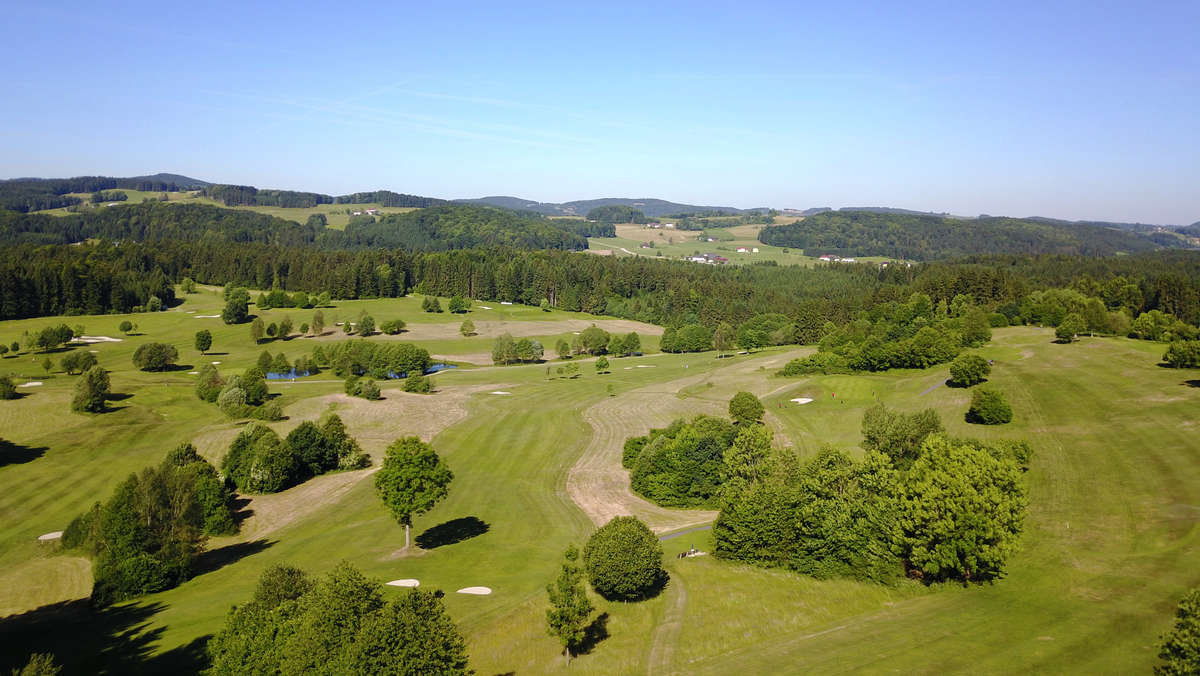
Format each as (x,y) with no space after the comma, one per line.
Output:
(1067,109)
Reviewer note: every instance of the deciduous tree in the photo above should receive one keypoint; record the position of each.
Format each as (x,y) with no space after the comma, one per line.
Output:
(412,480)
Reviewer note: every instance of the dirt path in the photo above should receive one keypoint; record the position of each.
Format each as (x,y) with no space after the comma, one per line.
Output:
(598,483)
(666,634)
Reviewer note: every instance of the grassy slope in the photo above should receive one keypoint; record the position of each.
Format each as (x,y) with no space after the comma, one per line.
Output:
(1117,461)
(683,243)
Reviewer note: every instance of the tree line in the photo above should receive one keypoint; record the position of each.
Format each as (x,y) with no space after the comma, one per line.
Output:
(927,237)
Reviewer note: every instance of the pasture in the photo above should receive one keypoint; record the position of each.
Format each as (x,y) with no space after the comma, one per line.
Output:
(1110,544)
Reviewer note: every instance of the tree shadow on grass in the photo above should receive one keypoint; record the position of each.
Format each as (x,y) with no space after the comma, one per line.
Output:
(452,532)
(16,454)
(215,559)
(240,513)
(593,634)
(87,640)
(1192,383)
(117,396)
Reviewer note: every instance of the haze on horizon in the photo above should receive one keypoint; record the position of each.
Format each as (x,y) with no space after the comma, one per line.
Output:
(1056,109)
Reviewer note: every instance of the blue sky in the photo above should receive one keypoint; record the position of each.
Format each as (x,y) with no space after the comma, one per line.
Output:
(1067,109)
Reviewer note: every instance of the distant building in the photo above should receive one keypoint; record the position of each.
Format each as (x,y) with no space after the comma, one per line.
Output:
(754,250)
(742,249)
(668,225)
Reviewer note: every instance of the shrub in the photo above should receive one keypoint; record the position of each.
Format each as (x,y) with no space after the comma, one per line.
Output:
(91,391)
(366,325)
(825,363)
(392,326)
(417,384)
(969,369)
(745,408)
(368,389)
(624,560)
(155,356)
(988,407)
(78,362)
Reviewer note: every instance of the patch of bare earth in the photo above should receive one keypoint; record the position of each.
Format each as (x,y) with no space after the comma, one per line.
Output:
(599,485)
(375,424)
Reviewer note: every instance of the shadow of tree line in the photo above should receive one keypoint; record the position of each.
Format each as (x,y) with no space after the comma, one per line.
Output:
(116,639)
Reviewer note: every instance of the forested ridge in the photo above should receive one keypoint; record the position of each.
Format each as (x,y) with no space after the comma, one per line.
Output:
(921,237)
(248,195)
(34,194)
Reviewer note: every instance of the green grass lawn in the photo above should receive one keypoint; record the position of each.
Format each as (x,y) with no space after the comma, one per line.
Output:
(1111,539)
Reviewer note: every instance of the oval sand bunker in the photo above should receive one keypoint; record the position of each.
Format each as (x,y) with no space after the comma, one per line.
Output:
(405,583)
(476,591)
(56,535)
(802,400)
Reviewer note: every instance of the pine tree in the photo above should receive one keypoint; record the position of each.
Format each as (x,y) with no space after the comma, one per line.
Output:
(567,617)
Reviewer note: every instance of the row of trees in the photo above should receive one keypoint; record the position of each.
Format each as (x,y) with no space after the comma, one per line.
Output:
(920,503)
(339,624)
(684,464)
(259,461)
(378,360)
(147,536)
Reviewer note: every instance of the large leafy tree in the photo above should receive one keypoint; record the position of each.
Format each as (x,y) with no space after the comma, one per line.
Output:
(969,369)
(959,512)
(567,617)
(623,559)
(90,391)
(745,408)
(412,480)
(155,356)
(898,435)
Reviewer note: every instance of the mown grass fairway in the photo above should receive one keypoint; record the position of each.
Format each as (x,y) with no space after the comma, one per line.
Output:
(1111,538)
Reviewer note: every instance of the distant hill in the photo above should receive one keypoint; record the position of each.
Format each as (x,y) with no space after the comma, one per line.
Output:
(35,194)
(1192,230)
(926,237)
(653,208)
(893,210)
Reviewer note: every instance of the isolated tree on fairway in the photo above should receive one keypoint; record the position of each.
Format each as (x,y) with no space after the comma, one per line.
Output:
(601,365)
(467,328)
(285,326)
(1179,649)
(562,348)
(459,305)
(567,617)
(392,326)
(78,362)
(125,327)
(988,407)
(318,323)
(745,408)
(257,330)
(366,325)
(969,369)
(1069,329)
(624,560)
(91,391)
(412,480)
(3,350)
(203,340)
(155,356)
(959,512)
(7,389)
(431,304)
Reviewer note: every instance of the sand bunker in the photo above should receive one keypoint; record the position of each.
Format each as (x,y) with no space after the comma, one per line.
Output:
(56,535)
(477,591)
(628,368)
(801,400)
(645,366)
(505,302)
(35,383)
(193,373)
(409,582)
(94,351)
(207,316)
(499,392)
(96,339)
(484,307)
(216,362)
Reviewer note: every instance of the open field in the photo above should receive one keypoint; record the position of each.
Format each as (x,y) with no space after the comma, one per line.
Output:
(1110,544)
(685,243)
